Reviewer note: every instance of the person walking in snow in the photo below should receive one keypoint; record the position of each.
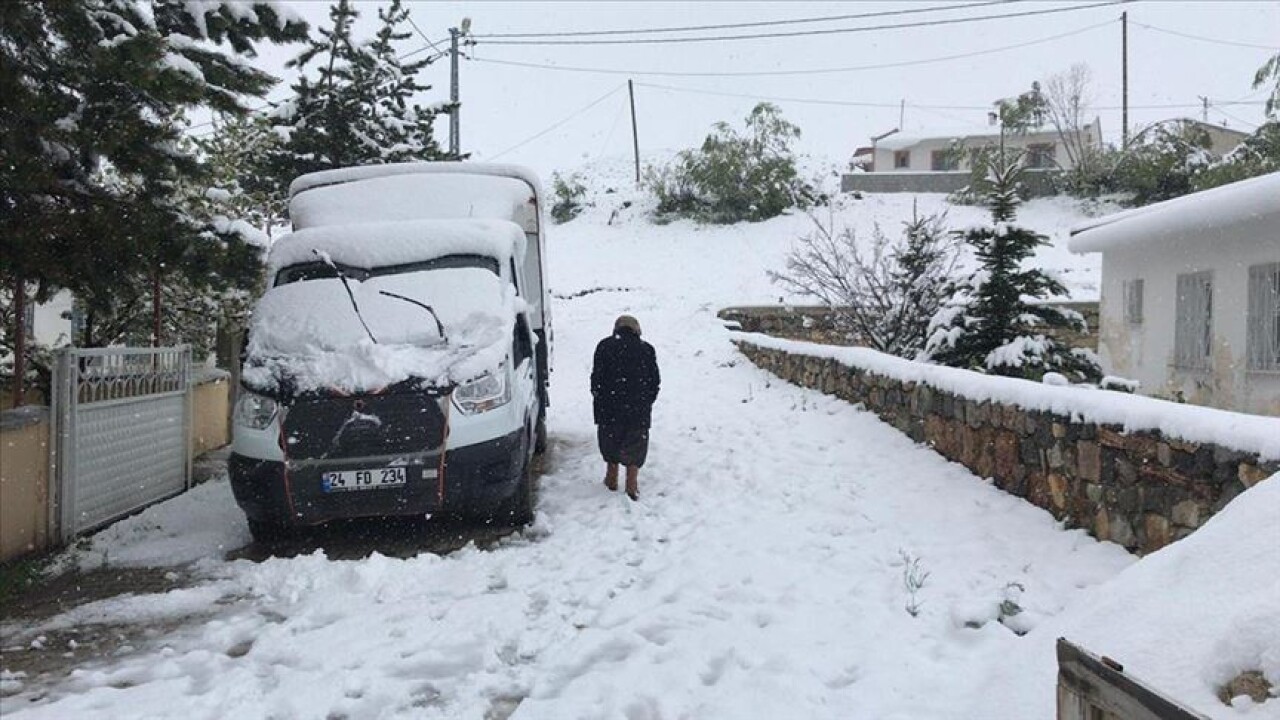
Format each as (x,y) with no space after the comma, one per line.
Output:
(624,385)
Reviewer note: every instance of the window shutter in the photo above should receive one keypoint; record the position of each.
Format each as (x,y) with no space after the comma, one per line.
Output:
(1193,333)
(1263,340)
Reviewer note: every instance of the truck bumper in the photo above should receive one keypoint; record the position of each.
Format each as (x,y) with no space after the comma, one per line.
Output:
(472,479)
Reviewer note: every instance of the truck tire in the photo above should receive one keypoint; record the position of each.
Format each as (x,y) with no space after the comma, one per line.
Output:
(540,434)
(268,532)
(517,509)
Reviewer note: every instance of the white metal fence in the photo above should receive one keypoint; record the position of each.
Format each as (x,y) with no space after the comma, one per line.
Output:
(121,433)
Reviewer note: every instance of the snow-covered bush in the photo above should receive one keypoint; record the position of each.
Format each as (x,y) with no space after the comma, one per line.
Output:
(736,175)
(1162,162)
(993,320)
(882,292)
(570,197)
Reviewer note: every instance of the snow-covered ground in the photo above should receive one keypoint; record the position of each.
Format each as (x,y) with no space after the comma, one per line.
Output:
(765,572)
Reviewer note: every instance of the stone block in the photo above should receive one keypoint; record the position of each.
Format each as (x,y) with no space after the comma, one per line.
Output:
(1228,455)
(1137,445)
(1153,498)
(1058,488)
(1186,514)
(1093,492)
(1089,460)
(1126,473)
(1229,493)
(1155,531)
(1053,456)
(1164,454)
(1128,500)
(1121,531)
(1037,491)
(1058,430)
(1028,453)
(1102,524)
(1006,454)
(1250,474)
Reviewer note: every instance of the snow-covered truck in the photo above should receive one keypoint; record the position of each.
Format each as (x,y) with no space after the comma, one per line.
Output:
(399,362)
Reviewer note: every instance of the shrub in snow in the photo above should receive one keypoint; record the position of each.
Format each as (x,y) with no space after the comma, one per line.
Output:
(570,197)
(883,292)
(913,579)
(735,175)
(992,321)
(1163,161)
(1256,155)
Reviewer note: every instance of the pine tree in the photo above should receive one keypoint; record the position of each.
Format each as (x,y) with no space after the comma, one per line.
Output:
(995,320)
(90,132)
(358,109)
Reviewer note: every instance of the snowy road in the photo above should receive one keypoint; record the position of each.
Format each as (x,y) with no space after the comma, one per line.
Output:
(760,575)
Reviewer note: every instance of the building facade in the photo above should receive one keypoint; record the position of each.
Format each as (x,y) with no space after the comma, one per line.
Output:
(1191,295)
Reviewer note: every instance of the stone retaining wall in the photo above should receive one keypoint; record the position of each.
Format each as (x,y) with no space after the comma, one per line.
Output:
(1140,490)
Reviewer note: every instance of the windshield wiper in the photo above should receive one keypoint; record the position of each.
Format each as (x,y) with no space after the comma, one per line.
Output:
(424,306)
(343,277)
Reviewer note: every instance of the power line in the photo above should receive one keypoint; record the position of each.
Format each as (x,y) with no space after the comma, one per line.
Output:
(808,71)
(1202,38)
(854,103)
(810,33)
(738,26)
(557,124)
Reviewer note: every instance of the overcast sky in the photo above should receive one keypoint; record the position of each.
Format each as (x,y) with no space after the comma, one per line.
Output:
(505,105)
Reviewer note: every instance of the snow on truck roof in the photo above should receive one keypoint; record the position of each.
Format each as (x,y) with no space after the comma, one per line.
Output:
(405,191)
(399,242)
(1195,216)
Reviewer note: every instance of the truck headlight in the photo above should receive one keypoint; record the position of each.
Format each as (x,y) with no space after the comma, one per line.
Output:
(255,411)
(485,393)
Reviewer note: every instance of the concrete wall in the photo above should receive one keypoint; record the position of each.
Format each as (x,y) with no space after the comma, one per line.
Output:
(24,482)
(1145,352)
(210,408)
(24,462)
(1038,183)
(1139,489)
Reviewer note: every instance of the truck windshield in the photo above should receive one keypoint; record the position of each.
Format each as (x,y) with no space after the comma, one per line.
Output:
(319,270)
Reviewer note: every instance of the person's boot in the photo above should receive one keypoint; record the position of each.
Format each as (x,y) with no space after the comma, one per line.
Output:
(611,477)
(633,483)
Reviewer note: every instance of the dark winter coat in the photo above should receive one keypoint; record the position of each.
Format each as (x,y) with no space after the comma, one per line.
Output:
(624,380)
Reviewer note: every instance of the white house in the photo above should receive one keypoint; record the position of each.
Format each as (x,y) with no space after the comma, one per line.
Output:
(1191,295)
(942,152)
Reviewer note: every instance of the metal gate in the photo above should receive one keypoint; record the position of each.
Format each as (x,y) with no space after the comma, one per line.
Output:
(121,433)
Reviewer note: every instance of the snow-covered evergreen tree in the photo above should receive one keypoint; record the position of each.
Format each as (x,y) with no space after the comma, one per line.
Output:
(996,320)
(95,93)
(359,107)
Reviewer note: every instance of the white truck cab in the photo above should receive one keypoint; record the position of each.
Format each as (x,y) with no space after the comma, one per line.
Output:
(398,363)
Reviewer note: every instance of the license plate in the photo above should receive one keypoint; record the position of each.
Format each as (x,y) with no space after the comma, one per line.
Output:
(376,479)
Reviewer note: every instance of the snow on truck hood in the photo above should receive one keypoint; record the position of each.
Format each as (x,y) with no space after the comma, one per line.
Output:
(382,244)
(305,336)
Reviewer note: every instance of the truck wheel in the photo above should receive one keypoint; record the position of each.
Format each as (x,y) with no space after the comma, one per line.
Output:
(540,434)
(517,510)
(268,532)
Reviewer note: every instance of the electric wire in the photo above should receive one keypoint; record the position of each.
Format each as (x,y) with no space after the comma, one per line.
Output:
(557,124)
(807,71)
(811,33)
(1202,38)
(739,26)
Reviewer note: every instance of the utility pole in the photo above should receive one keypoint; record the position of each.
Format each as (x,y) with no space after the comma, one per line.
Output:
(902,112)
(1124,79)
(1204,102)
(635,135)
(455,138)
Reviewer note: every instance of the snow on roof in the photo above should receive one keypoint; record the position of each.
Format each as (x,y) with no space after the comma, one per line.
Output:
(412,191)
(1193,216)
(382,244)
(1238,431)
(971,134)
(365,172)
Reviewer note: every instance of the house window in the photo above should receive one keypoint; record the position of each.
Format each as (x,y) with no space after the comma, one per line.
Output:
(944,160)
(901,159)
(1193,334)
(1264,317)
(1040,155)
(1133,301)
